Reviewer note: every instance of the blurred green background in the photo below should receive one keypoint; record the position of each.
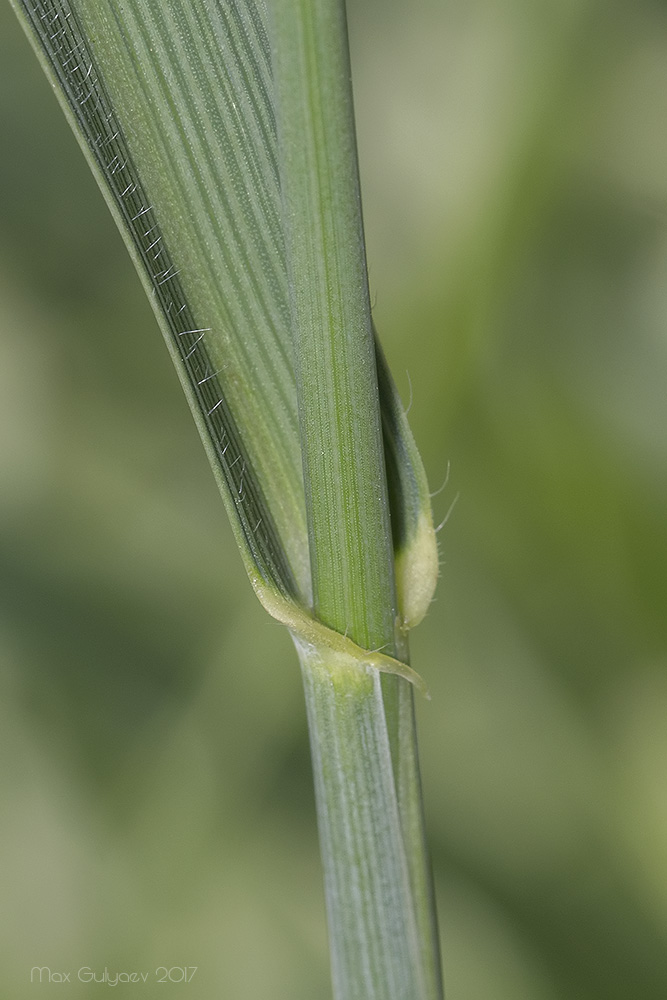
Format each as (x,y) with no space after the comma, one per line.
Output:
(156,792)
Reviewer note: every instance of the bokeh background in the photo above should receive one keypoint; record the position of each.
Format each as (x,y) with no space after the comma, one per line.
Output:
(155,785)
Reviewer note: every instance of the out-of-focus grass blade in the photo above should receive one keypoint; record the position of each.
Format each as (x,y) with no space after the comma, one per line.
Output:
(173,105)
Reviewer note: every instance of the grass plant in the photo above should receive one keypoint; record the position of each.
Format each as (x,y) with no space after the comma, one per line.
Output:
(222,137)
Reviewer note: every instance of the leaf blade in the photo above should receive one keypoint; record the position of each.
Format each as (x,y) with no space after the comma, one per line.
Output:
(231,348)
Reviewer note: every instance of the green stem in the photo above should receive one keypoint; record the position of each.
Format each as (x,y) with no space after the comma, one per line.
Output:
(346,493)
(373,930)
(377,877)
